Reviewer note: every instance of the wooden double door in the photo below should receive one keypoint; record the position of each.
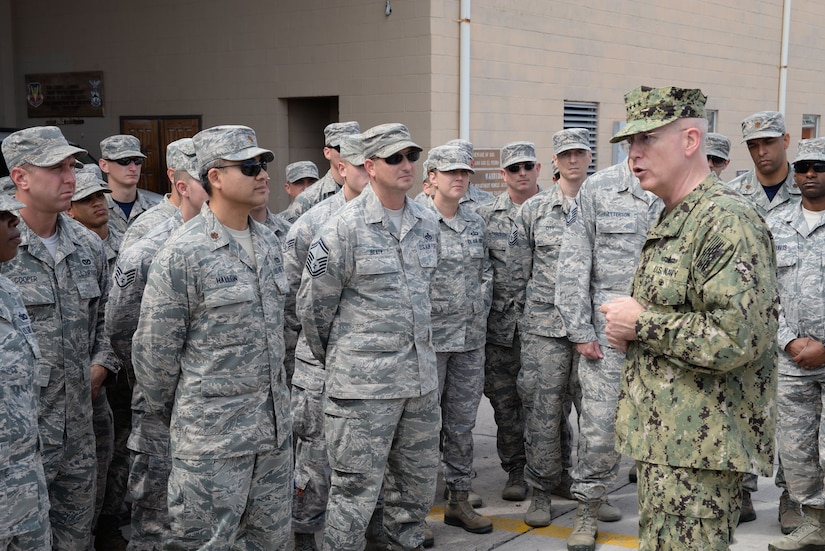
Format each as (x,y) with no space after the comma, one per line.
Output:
(155,133)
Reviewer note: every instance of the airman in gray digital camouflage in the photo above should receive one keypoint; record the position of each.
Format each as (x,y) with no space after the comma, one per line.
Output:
(475,196)
(208,355)
(717,148)
(364,308)
(63,277)
(520,171)
(299,176)
(697,402)
(798,229)
(121,160)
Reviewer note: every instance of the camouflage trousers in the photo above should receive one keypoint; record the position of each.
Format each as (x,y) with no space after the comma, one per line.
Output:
(40,539)
(370,442)
(71,470)
(312,473)
(148,481)
(120,400)
(501,369)
(104,427)
(598,460)
(800,435)
(545,391)
(236,503)
(683,509)
(460,382)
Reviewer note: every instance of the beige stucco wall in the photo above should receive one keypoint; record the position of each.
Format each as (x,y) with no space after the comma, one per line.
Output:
(235,63)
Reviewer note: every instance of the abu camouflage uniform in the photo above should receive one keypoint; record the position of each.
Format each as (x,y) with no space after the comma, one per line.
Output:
(605,232)
(149,220)
(699,385)
(364,307)
(65,297)
(208,355)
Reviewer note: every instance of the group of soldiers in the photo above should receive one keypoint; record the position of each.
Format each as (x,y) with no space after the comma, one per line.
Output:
(240,379)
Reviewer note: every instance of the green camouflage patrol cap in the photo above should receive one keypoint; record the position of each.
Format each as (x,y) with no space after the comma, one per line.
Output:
(120,146)
(352,149)
(334,131)
(301,169)
(765,124)
(717,145)
(38,146)
(229,142)
(87,184)
(180,155)
(571,138)
(463,144)
(518,152)
(387,139)
(448,157)
(810,150)
(651,108)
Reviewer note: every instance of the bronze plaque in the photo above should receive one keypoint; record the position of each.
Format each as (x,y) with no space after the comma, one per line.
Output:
(487,175)
(65,94)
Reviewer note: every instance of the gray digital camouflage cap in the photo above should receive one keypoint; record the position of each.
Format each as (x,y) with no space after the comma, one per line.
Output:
(7,201)
(87,184)
(463,144)
(717,145)
(120,146)
(352,149)
(518,152)
(7,186)
(38,146)
(765,124)
(301,169)
(229,142)
(448,157)
(180,155)
(651,108)
(810,150)
(571,138)
(387,139)
(334,131)
(91,169)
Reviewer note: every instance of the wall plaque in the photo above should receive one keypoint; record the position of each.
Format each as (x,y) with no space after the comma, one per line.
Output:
(65,94)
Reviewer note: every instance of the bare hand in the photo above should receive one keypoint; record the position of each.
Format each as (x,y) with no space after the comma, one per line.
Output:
(807,353)
(99,374)
(621,315)
(590,350)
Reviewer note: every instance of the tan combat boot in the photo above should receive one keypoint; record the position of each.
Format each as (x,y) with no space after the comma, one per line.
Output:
(538,514)
(516,487)
(459,512)
(583,537)
(790,513)
(810,536)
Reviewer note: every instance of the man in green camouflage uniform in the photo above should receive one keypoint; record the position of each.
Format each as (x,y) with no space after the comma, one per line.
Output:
(63,275)
(148,440)
(798,229)
(208,356)
(520,171)
(24,517)
(331,182)
(696,409)
(769,185)
(364,307)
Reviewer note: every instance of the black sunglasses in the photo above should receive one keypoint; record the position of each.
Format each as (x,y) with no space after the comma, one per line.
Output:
(514,169)
(716,161)
(395,159)
(249,168)
(335,147)
(803,167)
(127,160)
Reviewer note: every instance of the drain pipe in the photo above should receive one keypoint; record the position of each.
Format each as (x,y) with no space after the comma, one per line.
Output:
(464,72)
(783,63)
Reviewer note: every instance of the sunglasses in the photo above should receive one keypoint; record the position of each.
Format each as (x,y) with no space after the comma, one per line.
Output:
(249,168)
(716,161)
(395,159)
(335,147)
(803,167)
(128,160)
(515,168)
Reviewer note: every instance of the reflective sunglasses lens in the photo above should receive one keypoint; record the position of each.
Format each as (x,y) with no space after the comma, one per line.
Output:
(252,169)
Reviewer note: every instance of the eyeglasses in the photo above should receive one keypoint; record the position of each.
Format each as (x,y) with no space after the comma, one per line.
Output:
(335,147)
(803,167)
(396,158)
(716,161)
(515,168)
(126,161)
(248,168)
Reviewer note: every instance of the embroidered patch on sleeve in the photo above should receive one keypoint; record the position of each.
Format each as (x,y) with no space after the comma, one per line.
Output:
(317,258)
(124,279)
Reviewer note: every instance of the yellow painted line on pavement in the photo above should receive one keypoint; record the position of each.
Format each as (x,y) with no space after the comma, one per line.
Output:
(558,532)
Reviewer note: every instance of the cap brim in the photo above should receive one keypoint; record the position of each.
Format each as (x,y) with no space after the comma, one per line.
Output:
(521,159)
(88,192)
(639,126)
(808,157)
(764,134)
(392,149)
(125,155)
(57,155)
(717,153)
(455,166)
(250,153)
(9,203)
(573,146)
